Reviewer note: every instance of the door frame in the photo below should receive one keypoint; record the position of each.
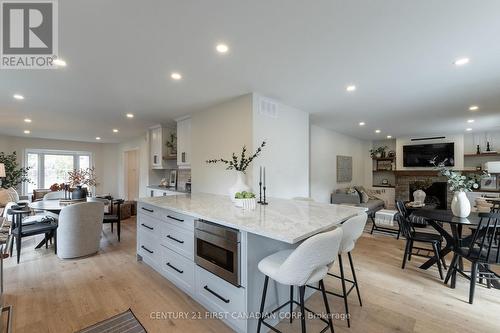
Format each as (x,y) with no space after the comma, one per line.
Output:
(125,171)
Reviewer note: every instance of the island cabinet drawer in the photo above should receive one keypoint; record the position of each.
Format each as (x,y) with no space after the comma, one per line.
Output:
(147,224)
(177,239)
(177,269)
(178,220)
(221,296)
(148,210)
(148,247)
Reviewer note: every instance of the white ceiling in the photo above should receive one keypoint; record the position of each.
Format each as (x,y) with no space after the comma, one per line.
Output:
(399,53)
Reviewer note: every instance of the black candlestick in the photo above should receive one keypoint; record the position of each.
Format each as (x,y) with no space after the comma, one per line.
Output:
(264,202)
(260,193)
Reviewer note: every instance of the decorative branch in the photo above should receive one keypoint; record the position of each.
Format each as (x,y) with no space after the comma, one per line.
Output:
(240,164)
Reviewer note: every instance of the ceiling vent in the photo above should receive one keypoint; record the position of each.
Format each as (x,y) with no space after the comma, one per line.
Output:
(429,138)
(268,108)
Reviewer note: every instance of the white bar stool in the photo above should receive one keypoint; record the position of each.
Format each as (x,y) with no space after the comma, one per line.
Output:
(353,229)
(307,264)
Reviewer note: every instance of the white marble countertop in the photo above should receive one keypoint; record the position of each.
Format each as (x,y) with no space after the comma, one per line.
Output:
(289,221)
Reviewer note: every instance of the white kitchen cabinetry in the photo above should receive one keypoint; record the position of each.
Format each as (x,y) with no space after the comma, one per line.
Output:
(158,137)
(184,143)
(165,242)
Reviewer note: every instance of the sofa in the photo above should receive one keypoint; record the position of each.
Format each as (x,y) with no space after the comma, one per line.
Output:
(358,196)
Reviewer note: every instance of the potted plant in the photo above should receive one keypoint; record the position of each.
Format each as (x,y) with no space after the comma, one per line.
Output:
(459,185)
(14,174)
(378,152)
(245,200)
(80,177)
(240,165)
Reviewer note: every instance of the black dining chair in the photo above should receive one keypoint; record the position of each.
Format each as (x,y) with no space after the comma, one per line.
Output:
(482,250)
(412,236)
(19,230)
(114,212)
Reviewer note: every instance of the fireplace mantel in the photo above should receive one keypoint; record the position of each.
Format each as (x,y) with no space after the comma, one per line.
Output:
(431,173)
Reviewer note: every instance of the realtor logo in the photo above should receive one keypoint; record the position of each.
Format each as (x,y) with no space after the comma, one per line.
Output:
(29,34)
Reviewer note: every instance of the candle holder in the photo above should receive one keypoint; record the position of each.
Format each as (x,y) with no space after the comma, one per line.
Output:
(260,193)
(264,201)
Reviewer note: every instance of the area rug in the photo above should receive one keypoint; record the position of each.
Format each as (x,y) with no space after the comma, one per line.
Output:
(123,322)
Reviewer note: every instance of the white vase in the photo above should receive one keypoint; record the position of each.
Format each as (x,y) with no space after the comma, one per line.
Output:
(419,197)
(239,186)
(460,204)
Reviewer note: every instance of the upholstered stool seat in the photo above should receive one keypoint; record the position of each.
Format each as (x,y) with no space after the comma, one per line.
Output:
(352,230)
(307,264)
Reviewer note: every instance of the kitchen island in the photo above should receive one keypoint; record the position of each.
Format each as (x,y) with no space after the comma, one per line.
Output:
(174,236)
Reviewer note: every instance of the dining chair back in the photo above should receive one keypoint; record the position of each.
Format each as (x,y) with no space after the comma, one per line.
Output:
(56,195)
(484,245)
(400,205)
(80,227)
(407,228)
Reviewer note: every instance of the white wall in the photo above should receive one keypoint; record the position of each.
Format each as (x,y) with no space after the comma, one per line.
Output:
(286,155)
(104,165)
(217,132)
(325,146)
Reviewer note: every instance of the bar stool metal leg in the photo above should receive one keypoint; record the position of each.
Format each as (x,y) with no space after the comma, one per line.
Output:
(354,277)
(344,291)
(291,303)
(327,306)
(264,292)
(302,290)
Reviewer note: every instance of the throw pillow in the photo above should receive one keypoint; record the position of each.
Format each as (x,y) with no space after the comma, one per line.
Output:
(364,197)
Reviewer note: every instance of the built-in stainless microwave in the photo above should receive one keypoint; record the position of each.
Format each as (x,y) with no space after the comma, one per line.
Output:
(217,249)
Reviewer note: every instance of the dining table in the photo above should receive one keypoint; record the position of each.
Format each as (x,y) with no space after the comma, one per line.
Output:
(438,218)
(52,206)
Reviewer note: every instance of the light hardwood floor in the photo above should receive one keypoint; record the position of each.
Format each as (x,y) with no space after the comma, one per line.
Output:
(51,295)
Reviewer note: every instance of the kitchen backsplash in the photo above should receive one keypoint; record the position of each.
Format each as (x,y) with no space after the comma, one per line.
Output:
(183,176)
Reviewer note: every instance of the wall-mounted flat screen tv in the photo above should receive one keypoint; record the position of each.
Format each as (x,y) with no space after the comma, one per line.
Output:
(422,155)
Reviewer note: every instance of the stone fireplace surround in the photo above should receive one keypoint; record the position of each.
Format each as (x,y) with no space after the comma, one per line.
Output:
(405,178)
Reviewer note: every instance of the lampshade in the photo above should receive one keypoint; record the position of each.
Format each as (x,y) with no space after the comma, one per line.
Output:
(2,170)
(492,167)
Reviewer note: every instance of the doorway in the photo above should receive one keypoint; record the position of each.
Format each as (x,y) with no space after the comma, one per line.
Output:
(131,174)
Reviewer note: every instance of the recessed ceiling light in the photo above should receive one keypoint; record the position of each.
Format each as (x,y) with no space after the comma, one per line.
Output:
(176,76)
(473,108)
(222,48)
(351,88)
(130,115)
(377,131)
(115,130)
(468,129)
(59,63)
(27,120)
(362,123)
(27,131)
(470,121)
(98,138)
(19,97)
(461,61)
(389,137)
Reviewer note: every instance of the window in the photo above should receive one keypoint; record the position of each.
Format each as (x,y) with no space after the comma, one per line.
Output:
(48,167)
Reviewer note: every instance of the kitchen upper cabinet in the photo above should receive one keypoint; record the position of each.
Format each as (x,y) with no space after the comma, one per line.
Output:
(184,143)
(159,152)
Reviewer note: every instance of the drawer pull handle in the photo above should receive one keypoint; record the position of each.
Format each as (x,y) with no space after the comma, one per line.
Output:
(147,226)
(147,210)
(174,268)
(216,295)
(175,218)
(175,239)
(145,248)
